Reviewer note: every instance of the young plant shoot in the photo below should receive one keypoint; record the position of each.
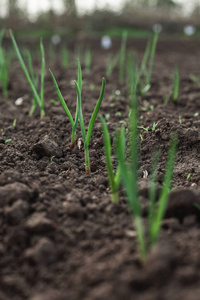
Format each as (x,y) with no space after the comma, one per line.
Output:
(38,98)
(4,66)
(122,56)
(74,122)
(130,182)
(146,68)
(114,178)
(175,82)
(129,176)
(86,136)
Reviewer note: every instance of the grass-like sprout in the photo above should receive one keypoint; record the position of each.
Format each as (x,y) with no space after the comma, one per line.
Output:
(65,57)
(175,85)
(130,182)
(86,136)
(111,65)
(129,176)
(4,66)
(113,177)
(195,79)
(146,68)
(35,80)
(151,58)
(122,56)
(88,60)
(38,98)
(74,122)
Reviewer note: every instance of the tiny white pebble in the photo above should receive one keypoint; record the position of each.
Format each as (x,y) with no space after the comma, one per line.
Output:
(19,101)
(130,233)
(79,143)
(117,93)
(145,174)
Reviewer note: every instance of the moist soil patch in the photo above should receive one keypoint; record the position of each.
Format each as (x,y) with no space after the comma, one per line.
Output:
(61,238)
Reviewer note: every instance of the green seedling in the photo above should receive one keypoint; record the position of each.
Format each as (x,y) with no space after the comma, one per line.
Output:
(14,122)
(39,97)
(4,72)
(74,122)
(129,176)
(146,68)
(175,86)
(167,97)
(5,61)
(122,56)
(92,87)
(113,177)
(118,57)
(111,65)
(154,126)
(144,128)
(87,136)
(51,159)
(179,120)
(8,141)
(107,116)
(88,60)
(151,58)
(188,177)
(122,122)
(118,114)
(54,102)
(65,57)
(35,80)
(130,181)
(195,79)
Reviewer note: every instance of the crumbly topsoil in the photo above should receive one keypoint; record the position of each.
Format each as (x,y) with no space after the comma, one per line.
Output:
(61,238)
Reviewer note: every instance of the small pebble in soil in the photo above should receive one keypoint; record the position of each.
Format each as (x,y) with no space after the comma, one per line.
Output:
(47,147)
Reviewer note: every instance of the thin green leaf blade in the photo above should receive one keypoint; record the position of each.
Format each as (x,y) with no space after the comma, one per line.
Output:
(62,101)
(95,112)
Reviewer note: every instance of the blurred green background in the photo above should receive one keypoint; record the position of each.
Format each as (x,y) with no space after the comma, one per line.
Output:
(76,18)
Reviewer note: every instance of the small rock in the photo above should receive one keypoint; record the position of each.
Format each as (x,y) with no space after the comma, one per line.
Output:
(47,147)
(17,212)
(181,203)
(42,253)
(38,223)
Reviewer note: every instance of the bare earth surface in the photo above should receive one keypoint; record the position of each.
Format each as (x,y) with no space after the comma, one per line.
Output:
(61,238)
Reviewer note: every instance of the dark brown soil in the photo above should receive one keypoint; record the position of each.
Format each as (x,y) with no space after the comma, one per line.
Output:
(61,238)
